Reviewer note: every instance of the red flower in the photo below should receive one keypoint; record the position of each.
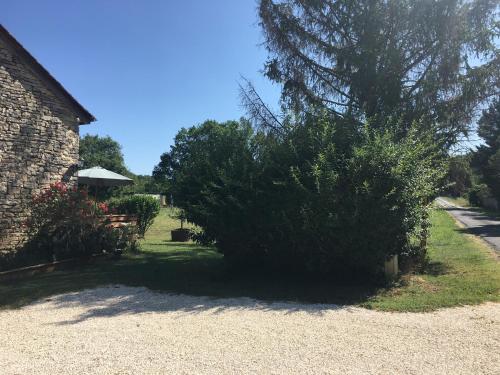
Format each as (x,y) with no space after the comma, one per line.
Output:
(59,187)
(103,207)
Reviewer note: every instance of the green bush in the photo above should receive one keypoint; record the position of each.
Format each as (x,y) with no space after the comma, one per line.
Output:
(478,194)
(63,224)
(324,197)
(144,207)
(459,176)
(486,158)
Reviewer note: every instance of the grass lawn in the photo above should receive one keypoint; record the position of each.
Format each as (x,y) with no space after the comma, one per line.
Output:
(462,271)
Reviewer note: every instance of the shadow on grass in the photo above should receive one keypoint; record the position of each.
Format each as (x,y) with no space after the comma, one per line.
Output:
(436,269)
(187,269)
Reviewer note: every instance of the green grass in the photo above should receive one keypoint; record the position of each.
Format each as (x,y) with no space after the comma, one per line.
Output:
(462,271)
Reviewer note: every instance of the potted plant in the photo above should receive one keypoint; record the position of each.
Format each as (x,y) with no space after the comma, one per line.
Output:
(180,234)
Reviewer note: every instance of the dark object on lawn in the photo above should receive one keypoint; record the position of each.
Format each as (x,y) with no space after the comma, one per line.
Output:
(180,235)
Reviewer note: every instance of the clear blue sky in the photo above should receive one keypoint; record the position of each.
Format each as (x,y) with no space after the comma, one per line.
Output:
(146,68)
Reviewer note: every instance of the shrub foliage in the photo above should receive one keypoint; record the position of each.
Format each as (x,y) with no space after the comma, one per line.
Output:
(322,197)
(486,159)
(64,223)
(144,207)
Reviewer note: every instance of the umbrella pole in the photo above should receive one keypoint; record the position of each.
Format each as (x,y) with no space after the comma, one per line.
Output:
(95,200)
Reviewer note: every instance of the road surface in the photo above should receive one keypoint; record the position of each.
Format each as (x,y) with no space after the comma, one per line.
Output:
(476,222)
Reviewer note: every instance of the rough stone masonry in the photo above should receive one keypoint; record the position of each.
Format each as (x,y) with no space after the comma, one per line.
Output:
(39,135)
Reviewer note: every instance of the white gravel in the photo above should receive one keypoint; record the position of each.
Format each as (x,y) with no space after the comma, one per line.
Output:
(122,330)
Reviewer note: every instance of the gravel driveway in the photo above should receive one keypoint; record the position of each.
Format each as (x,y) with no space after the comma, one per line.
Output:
(123,330)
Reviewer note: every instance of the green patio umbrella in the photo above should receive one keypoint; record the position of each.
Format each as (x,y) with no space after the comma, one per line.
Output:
(100,177)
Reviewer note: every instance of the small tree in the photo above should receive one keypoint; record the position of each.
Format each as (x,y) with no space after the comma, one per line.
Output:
(459,175)
(102,151)
(182,218)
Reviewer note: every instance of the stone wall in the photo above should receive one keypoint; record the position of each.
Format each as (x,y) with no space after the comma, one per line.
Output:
(38,141)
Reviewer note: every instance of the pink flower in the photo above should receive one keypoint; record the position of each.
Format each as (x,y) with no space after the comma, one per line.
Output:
(103,207)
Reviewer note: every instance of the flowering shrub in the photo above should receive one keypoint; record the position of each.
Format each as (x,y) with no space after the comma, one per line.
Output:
(65,223)
(103,207)
(59,204)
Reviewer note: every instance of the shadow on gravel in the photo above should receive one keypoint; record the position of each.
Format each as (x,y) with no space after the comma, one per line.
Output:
(118,300)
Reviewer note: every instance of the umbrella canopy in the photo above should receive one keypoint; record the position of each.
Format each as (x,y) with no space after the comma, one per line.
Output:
(98,176)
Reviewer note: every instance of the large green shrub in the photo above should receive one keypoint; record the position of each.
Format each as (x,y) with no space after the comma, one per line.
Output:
(146,208)
(322,197)
(478,194)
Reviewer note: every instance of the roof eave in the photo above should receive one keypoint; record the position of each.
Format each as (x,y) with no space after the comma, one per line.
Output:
(83,116)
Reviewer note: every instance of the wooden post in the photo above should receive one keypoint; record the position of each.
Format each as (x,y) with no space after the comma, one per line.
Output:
(391,267)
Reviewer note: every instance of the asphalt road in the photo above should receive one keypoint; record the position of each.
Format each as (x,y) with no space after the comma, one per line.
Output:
(476,222)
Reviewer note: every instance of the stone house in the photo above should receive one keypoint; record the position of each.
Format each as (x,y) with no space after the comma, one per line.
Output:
(39,135)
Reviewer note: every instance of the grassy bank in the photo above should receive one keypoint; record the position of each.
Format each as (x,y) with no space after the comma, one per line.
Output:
(462,271)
